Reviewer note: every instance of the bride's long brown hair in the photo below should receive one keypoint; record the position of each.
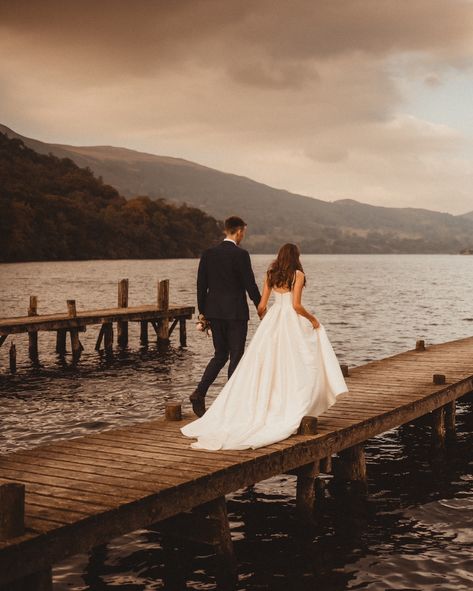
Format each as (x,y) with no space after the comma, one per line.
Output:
(282,271)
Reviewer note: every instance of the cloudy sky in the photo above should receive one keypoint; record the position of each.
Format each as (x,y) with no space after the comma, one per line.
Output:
(362,99)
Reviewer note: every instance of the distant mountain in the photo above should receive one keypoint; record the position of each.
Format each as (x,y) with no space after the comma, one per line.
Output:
(50,209)
(468,215)
(274,215)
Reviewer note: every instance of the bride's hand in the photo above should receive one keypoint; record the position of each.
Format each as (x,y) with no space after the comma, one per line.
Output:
(261,313)
(315,323)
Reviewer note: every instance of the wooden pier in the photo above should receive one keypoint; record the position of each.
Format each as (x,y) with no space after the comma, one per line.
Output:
(61,499)
(161,316)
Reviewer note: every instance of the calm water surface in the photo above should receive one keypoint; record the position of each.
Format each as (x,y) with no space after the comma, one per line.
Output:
(415,531)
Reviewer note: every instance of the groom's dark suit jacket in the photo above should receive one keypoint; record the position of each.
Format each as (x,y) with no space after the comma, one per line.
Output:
(224,277)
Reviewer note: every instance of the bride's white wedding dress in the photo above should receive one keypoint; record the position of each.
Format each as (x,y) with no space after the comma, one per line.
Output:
(288,371)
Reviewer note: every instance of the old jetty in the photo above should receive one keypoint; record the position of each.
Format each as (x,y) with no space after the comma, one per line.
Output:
(161,316)
(60,499)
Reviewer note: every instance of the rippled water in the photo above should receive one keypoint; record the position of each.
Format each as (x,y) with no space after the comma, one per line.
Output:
(415,529)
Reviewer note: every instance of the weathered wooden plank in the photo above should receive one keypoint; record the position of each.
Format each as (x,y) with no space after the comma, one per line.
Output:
(63,321)
(136,485)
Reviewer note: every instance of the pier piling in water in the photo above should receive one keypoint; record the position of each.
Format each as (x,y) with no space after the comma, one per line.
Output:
(33,334)
(122,326)
(12,357)
(163,304)
(351,466)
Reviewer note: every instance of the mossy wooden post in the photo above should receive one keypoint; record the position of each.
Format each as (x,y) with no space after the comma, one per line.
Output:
(163,304)
(33,334)
(420,345)
(12,357)
(450,415)
(122,327)
(351,466)
(306,491)
(183,332)
(345,371)
(75,342)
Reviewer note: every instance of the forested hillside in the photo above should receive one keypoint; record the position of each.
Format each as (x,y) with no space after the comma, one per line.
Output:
(50,209)
(274,216)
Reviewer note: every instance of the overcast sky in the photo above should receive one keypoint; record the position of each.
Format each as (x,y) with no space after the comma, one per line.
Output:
(362,99)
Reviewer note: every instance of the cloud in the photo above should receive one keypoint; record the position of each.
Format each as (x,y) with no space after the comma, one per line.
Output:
(307,95)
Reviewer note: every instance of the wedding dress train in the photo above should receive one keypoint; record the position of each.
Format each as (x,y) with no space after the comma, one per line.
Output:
(288,371)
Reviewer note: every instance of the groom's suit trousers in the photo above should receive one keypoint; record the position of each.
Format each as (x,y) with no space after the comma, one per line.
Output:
(229,337)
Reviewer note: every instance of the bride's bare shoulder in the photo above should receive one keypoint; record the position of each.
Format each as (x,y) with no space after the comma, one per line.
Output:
(299,273)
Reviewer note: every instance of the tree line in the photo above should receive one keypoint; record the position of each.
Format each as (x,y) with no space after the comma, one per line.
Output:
(50,209)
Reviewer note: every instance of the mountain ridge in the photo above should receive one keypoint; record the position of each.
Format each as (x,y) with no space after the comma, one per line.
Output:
(273,215)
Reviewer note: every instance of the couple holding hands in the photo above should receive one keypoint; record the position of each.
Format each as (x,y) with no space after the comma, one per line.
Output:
(289,369)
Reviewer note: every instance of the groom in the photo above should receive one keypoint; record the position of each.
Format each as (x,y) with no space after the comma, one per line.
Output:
(224,277)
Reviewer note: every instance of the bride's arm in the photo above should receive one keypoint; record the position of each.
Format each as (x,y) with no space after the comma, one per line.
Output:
(297,300)
(264,298)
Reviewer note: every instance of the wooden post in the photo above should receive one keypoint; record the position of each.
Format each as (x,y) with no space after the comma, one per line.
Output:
(75,342)
(450,426)
(351,465)
(163,304)
(183,332)
(437,418)
(122,327)
(100,338)
(420,345)
(12,355)
(12,510)
(326,465)
(61,335)
(308,426)
(33,334)
(144,333)
(438,379)
(12,525)
(108,337)
(306,491)
(227,568)
(71,308)
(173,411)
(344,368)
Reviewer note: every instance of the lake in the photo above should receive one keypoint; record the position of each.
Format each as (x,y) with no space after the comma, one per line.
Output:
(415,531)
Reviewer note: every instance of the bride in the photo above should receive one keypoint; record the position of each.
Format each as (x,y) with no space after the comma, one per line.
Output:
(288,371)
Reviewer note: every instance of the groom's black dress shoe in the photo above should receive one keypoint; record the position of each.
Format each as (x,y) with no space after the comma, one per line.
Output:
(198,403)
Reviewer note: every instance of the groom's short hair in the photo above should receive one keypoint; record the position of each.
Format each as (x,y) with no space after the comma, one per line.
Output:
(233,224)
